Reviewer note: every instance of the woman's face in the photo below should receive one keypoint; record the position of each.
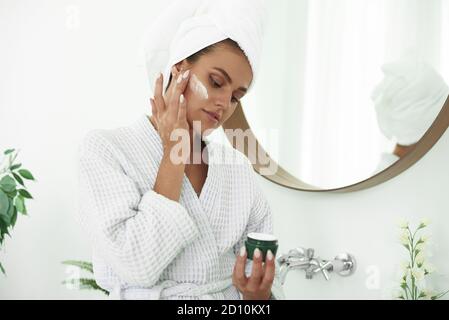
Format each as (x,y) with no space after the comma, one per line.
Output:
(218,80)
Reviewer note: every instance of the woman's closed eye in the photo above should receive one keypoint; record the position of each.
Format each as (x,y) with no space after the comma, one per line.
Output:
(217,85)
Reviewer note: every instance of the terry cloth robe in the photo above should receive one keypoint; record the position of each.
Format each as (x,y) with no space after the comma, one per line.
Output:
(146,246)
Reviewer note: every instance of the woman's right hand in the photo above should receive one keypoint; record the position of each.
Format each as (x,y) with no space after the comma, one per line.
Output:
(169,112)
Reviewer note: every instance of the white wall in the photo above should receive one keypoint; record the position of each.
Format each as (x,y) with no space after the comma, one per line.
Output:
(62,76)
(364,224)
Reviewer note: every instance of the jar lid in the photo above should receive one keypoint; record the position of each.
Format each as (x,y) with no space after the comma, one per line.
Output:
(262,236)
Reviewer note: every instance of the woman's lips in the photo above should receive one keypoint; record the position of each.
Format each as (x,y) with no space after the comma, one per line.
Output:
(211,117)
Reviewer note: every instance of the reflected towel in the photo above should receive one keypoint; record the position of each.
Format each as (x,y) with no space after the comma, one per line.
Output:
(408,100)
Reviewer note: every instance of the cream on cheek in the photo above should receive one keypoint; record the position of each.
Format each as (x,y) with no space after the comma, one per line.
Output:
(198,87)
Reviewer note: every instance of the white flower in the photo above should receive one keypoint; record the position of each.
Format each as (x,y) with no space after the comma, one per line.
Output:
(403,237)
(405,265)
(403,224)
(418,273)
(428,267)
(424,222)
(421,283)
(424,239)
(423,242)
(419,259)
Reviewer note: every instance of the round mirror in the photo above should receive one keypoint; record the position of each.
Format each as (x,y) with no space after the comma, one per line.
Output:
(350,93)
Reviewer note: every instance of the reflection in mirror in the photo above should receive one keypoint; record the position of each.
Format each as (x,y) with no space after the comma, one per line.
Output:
(407,101)
(348,87)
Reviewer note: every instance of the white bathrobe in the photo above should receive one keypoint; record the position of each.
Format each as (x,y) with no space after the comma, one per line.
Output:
(146,246)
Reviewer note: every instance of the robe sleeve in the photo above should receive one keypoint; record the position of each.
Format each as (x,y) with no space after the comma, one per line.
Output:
(261,220)
(137,234)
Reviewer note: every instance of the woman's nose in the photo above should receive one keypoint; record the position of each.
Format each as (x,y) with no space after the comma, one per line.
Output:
(224,99)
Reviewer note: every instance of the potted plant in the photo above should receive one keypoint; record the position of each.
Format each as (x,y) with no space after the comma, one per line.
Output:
(13,193)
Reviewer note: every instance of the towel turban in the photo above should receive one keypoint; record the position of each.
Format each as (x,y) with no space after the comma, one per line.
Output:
(408,99)
(187,26)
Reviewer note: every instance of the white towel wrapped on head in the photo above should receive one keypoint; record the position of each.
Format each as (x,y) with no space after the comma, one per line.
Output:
(187,26)
(408,99)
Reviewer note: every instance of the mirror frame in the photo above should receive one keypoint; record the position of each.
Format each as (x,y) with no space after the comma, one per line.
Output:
(285,179)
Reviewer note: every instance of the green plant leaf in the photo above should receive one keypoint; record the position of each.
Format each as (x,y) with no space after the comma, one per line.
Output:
(26,174)
(7,184)
(14,217)
(15,166)
(25,211)
(11,209)
(4,202)
(12,194)
(4,229)
(18,179)
(9,151)
(20,204)
(6,220)
(84,283)
(2,269)
(80,264)
(25,193)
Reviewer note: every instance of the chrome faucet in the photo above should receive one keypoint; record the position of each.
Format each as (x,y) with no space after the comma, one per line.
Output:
(300,258)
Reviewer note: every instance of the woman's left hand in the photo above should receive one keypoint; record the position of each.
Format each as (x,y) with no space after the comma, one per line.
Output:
(258,285)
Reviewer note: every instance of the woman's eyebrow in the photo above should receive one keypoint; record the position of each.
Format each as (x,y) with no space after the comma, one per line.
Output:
(226,75)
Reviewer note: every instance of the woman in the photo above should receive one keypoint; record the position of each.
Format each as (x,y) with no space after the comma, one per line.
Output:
(407,101)
(165,226)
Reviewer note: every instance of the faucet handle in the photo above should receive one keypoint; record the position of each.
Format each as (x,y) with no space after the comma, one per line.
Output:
(324,266)
(344,264)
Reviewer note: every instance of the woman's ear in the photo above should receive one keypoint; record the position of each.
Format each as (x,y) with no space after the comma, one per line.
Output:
(176,70)
(181,66)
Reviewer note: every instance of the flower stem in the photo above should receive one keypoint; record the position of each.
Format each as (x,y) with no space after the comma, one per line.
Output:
(407,291)
(412,247)
(412,261)
(440,295)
